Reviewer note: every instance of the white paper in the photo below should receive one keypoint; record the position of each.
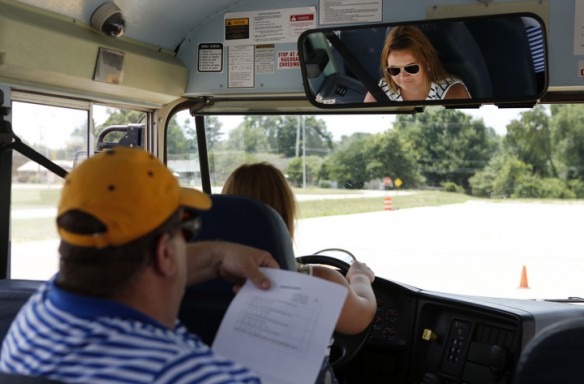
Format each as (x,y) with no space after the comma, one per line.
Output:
(282,333)
(241,64)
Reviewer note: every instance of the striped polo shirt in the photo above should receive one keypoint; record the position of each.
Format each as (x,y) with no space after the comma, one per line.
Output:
(80,339)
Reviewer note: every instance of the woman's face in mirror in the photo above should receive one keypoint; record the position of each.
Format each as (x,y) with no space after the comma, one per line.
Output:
(407,63)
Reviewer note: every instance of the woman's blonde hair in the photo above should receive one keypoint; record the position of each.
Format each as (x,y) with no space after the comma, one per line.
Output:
(266,183)
(411,38)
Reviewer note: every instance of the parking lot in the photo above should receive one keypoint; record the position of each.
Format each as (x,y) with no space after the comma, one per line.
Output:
(474,248)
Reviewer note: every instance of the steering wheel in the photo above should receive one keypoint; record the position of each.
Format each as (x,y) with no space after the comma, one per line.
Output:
(344,347)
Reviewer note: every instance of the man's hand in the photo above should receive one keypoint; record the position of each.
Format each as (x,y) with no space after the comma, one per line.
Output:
(234,262)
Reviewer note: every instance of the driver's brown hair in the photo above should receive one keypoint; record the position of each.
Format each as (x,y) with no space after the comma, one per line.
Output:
(411,38)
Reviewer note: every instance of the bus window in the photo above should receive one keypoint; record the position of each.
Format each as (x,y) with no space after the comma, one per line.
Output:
(59,130)
(238,139)
(182,149)
(60,134)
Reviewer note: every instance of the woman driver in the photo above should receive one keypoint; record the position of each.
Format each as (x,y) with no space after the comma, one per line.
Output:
(413,71)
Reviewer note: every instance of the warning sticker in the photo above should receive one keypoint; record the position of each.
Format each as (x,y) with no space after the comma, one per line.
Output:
(300,23)
(236,29)
(288,60)
(269,26)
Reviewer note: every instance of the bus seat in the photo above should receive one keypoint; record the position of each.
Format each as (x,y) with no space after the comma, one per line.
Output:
(240,220)
(506,47)
(246,221)
(13,295)
(553,355)
(460,55)
(365,45)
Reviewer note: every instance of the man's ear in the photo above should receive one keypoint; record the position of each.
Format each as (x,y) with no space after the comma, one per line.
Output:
(165,261)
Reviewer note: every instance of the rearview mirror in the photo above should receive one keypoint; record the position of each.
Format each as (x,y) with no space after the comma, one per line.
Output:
(499,59)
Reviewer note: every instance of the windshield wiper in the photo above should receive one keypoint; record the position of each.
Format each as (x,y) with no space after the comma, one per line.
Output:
(570,299)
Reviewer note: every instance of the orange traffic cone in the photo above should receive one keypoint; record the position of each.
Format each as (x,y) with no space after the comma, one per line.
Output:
(523,281)
(387,204)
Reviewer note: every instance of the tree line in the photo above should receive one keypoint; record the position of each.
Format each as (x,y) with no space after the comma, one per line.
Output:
(541,155)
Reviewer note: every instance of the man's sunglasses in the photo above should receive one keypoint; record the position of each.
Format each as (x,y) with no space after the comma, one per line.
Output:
(412,69)
(190,228)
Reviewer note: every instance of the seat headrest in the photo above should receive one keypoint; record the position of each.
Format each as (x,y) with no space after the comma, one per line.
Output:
(242,220)
(238,219)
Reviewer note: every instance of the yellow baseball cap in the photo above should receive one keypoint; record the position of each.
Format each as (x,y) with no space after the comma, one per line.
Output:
(127,189)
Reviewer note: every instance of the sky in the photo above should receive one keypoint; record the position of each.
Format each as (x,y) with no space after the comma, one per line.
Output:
(34,120)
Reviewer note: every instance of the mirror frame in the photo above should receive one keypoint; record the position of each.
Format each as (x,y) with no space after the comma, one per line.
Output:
(316,62)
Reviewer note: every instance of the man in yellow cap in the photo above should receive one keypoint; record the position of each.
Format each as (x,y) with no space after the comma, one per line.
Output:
(110,314)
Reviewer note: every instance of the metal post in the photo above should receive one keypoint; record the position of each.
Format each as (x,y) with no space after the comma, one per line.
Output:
(5,189)
(303,152)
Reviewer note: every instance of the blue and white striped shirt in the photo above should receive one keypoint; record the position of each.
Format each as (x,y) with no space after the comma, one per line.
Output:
(79,339)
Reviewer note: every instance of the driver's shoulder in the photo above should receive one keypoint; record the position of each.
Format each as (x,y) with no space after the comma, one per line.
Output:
(329,274)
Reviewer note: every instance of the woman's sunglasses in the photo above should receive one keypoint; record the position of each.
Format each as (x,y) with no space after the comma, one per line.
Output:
(412,69)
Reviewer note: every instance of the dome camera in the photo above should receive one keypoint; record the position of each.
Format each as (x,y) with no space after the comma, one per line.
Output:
(108,19)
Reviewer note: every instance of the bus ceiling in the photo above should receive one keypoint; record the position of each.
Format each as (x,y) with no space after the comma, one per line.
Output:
(244,57)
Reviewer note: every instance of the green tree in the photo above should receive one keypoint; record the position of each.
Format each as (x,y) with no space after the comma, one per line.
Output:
(500,177)
(568,138)
(529,140)
(448,145)
(120,117)
(249,136)
(279,134)
(117,117)
(348,164)
(178,145)
(212,131)
(295,170)
(389,156)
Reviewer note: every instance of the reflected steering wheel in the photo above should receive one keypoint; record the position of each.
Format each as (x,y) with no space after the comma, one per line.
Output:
(345,347)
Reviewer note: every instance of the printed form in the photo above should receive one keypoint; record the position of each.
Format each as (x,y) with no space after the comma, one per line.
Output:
(282,333)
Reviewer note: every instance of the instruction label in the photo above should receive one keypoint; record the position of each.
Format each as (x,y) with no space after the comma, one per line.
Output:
(210,57)
(350,11)
(241,66)
(265,58)
(268,27)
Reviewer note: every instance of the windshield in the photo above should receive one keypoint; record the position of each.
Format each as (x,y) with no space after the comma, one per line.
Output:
(482,202)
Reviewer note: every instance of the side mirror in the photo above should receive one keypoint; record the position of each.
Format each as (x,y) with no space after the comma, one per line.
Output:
(498,59)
